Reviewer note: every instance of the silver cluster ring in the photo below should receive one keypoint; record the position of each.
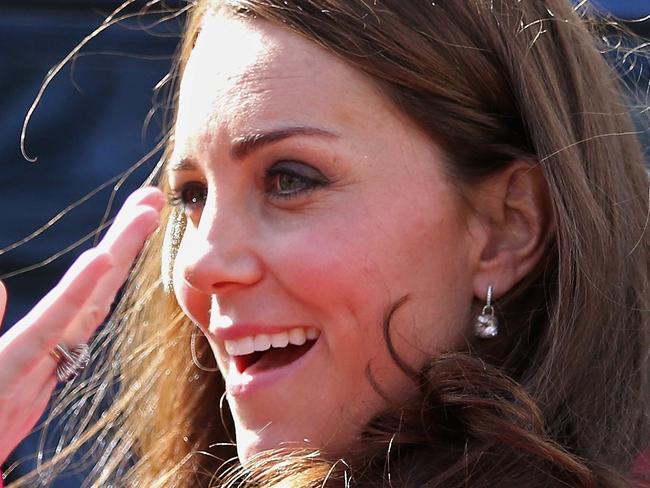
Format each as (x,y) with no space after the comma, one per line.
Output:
(71,362)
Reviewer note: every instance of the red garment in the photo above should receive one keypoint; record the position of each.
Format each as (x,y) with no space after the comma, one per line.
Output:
(640,468)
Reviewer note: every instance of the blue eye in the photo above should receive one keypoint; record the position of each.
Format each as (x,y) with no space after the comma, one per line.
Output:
(190,195)
(287,179)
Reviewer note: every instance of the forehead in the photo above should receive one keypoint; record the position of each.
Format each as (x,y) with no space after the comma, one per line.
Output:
(248,75)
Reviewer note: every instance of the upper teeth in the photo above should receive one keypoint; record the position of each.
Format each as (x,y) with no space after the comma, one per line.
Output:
(263,342)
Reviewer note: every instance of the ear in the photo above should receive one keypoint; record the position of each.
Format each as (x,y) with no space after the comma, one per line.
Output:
(512,225)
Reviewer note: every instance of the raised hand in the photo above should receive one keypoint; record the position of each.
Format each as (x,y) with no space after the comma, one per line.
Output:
(68,315)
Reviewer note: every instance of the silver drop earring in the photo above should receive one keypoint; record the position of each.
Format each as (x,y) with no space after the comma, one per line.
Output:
(487,324)
(173,235)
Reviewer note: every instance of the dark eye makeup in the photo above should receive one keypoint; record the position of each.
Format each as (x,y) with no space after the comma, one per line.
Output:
(289,179)
(283,180)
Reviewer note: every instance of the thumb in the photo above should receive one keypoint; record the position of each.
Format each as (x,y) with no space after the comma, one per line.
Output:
(3,302)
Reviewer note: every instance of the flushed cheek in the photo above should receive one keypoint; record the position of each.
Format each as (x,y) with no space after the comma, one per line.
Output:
(323,261)
(328,273)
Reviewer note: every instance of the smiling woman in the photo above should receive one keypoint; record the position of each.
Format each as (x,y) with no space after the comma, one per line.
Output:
(413,235)
(298,204)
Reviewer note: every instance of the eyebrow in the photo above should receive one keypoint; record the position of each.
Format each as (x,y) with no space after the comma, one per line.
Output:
(244,145)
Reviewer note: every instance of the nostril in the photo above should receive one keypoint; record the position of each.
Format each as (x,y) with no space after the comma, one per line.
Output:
(210,268)
(190,280)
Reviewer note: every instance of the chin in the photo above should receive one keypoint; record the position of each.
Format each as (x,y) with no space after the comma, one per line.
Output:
(252,443)
(246,450)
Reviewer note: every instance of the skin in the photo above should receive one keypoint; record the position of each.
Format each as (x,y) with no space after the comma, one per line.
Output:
(386,224)
(69,314)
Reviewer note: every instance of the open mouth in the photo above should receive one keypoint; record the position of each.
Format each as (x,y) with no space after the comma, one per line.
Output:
(264,352)
(272,358)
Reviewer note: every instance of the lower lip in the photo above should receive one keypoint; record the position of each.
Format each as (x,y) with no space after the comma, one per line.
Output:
(248,382)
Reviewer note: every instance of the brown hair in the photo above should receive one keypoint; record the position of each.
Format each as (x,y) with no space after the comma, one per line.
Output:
(561,397)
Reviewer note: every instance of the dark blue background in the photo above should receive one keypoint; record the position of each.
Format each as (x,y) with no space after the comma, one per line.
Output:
(627,9)
(87,129)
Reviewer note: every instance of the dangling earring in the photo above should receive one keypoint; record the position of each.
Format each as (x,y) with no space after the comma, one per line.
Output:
(195,358)
(487,325)
(173,235)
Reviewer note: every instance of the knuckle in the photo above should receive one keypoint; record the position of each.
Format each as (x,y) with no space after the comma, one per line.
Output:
(45,342)
(73,300)
(94,316)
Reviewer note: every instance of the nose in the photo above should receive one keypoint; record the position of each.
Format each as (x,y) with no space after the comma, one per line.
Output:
(219,255)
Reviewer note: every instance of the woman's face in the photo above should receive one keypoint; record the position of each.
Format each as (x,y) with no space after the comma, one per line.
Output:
(313,206)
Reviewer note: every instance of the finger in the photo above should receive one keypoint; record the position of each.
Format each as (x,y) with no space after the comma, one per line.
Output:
(37,378)
(150,197)
(65,300)
(133,228)
(135,221)
(37,406)
(129,232)
(31,339)
(27,408)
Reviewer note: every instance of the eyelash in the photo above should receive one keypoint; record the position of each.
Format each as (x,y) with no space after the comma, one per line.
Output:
(180,198)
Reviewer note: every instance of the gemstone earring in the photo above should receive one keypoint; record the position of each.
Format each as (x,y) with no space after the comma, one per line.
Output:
(173,235)
(487,324)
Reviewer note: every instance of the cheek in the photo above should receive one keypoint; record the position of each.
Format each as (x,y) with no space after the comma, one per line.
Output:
(340,271)
(325,269)
(326,266)
(350,269)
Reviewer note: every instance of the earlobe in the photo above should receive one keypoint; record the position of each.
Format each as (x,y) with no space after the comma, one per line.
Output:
(516,221)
